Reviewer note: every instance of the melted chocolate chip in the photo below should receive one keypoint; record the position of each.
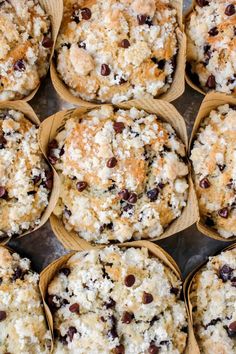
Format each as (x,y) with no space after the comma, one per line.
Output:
(161,64)
(47,42)
(153,194)
(19,65)
(71,332)
(124,194)
(81,186)
(230,10)
(213,322)
(118,127)
(213,32)
(204,183)
(133,198)
(174,291)
(225,273)
(105,70)
(202,3)
(65,271)
(3,192)
(120,349)
(211,82)
(125,43)
(147,298)
(224,213)
(3,315)
(74,308)
(110,303)
(209,222)
(129,280)
(153,349)
(127,317)
(86,13)
(112,162)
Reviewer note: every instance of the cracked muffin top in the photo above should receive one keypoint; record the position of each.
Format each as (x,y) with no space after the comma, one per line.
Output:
(117,301)
(25,47)
(214,167)
(211,46)
(123,174)
(116,50)
(213,297)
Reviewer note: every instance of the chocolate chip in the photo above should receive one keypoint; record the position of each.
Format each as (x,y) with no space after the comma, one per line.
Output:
(71,332)
(174,291)
(224,213)
(3,192)
(213,32)
(3,315)
(211,82)
(230,10)
(225,273)
(161,64)
(18,274)
(105,70)
(63,340)
(36,179)
(3,141)
(153,194)
(53,144)
(231,329)
(49,184)
(141,19)
(153,349)
(133,198)
(161,185)
(19,65)
(67,213)
(52,159)
(112,162)
(202,3)
(122,81)
(127,207)
(120,349)
(81,186)
(62,151)
(82,45)
(213,322)
(65,271)
(124,194)
(118,127)
(209,222)
(129,280)
(86,13)
(47,42)
(125,43)
(221,167)
(74,308)
(31,193)
(75,17)
(113,332)
(108,226)
(206,49)
(204,183)
(147,298)
(127,317)
(149,21)
(110,303)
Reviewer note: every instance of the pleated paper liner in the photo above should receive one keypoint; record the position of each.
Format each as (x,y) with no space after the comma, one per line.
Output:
(54,8)
(188,286)
(165,111)
(177,86)
(48,273)
(210,102)
(30,114)
(45,310)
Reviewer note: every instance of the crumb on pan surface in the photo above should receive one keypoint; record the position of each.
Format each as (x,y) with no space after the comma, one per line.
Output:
(25,47)
(117,301)
(213,297)
(211,45)
(23,327)
(123,174)
(115,50)
(214,167)
(25,177)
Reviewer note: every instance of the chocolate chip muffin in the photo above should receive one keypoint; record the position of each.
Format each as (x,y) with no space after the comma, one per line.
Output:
(117,301)
(25,178)
(116,50)
(211,33)
(214,165)
(123,174)
(23,327)
(213,297)
(25,47)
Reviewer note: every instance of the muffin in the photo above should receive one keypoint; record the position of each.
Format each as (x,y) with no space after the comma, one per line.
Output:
(117,301)
(213,297)
(214,165)
(25,178)
(211,45)
(123,174)
(25,47)
(116,50)
(23,327)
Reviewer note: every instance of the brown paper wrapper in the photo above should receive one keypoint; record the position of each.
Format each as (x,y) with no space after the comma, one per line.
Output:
(54,8)
(177,87)
(187,290)
(48,273)
(30,114)
(210,102)
(169,114)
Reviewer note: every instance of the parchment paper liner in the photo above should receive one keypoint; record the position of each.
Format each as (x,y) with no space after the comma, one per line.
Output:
(177,87)
(168,113)
(48,273)
(54,8)
(30,114)
(210,102)
(44,308)
(187,289)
